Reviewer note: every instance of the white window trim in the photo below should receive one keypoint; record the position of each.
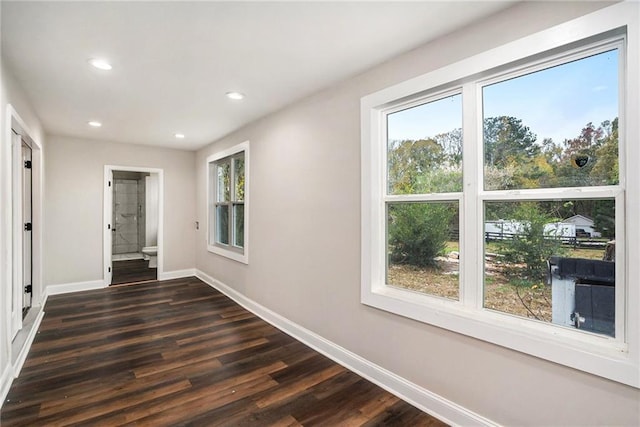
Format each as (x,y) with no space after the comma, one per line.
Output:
(240,256)
(616,359)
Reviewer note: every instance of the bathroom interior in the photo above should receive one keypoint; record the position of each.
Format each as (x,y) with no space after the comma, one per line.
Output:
(134,243)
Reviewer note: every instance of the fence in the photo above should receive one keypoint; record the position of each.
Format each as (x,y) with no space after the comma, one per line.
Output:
(576,242)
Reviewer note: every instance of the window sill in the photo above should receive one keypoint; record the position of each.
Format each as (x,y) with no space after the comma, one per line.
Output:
(236,256)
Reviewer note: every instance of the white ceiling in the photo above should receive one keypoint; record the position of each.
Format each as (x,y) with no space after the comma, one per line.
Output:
(173,62)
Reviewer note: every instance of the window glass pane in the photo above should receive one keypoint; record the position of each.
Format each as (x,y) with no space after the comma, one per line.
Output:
(238,224)
(238,167)
(424,148)
(224,176)
(553,261)
(423,247)
(553,128)
(222,224)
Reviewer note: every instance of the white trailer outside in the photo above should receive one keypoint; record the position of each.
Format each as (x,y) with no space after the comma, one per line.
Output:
(560,230)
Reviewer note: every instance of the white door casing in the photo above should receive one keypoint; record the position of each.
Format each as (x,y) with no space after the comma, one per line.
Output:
(27,220)
(17,232)
(108,217)
(108,202)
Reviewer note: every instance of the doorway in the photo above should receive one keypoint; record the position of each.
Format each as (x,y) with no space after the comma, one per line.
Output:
(22,227)
(133,229)
(22,182)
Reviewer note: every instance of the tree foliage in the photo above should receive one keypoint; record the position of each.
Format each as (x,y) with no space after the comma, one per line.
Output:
(418,232)
(513,159)
(604,218)
(506,140)
(606,170)
(534,245)
(431,165)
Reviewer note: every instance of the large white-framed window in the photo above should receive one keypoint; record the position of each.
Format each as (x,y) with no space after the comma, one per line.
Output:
(228,202)
(498,195)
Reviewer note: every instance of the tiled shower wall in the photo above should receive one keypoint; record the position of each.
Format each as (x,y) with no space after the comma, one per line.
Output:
(125,213)
(128,212)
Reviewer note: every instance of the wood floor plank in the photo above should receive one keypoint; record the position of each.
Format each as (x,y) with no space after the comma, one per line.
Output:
(135,270)
(300,385)
(179,353)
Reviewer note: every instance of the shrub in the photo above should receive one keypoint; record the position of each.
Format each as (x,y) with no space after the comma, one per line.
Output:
(531,248)
(418,232)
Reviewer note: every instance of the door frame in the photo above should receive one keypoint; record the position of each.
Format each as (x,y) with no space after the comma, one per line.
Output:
(108,217)
(12,228)
(27,217)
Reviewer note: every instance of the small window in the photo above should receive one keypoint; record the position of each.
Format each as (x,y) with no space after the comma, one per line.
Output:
(228,190)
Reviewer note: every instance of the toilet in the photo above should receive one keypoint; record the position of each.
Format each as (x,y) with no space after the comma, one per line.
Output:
(150,253)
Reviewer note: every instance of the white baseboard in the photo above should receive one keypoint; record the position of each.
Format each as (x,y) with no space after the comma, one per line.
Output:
(22,356)
(419,397)
(6,379)
(12,371)
(177,274)
(66,288)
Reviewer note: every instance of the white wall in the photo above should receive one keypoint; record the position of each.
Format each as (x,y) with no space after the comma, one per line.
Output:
(74,180)
(305,253)
(151,211)
(10,93)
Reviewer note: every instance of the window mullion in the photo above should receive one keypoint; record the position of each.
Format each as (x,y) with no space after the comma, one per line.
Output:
(432,197)
(552,193)
(471,220)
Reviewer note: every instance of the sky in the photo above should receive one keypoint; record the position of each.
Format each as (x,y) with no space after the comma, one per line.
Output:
(554,103)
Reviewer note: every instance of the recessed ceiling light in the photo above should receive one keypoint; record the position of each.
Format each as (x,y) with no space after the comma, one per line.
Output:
(235,95)
(94,124)
(100,64)
(179,135)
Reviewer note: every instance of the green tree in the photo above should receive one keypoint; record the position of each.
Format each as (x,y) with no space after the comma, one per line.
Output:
(507,139)
(409,161)
(551,150)
(604,218)
(606,170)
(451,143)
(568,173)
(511,156)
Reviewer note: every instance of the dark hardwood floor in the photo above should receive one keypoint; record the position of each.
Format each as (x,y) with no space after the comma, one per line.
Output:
(179,353)
(130,271)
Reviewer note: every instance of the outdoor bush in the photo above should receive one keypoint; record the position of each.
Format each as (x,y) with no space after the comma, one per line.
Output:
(531,249)
(418,232)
